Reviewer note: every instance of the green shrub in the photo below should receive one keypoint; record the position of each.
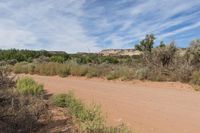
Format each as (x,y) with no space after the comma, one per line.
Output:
(27,86)
(58,59)
(109,59)
(59,100)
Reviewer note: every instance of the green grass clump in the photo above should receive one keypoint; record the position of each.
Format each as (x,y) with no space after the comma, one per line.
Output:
(27,86)
(59,100)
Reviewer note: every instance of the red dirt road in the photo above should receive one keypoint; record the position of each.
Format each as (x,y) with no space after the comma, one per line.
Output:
(147,107)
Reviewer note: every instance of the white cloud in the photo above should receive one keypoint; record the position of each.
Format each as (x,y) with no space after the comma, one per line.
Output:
(61,24)
(56,22)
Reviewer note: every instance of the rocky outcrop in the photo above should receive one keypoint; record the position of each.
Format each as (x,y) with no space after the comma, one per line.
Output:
(119,52)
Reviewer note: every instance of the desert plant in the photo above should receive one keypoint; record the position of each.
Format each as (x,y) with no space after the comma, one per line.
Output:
(113,75)
(142,73)
(193,53)
(6,81)
(59,100)
(90,117)
(58,59)
(146,44)
(195,79)
(164,55)
(63,70)
(94,71)
(78,70)
(20,113)
(49,69)
(28,86)
(21,67)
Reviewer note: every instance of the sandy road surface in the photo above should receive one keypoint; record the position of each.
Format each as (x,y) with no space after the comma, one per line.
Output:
(147,107)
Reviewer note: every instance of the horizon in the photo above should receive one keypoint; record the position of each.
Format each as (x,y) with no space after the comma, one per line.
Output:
(90,26)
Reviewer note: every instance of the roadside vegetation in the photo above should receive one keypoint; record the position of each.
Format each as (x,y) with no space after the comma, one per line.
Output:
(89,118)
(162,62)
(25,108)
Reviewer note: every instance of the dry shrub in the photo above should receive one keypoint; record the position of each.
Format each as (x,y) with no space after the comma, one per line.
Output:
(21,67)
(193,54)
(78,70)
(48,69)
(21,113)
(122,72)
(94,72)
(142,73)
(6,81)
(195,79)
(182,73)
(164,56)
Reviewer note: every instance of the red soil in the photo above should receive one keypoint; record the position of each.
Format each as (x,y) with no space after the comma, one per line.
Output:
(147,107)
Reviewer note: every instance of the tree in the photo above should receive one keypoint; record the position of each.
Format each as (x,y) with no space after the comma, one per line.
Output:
(146,44)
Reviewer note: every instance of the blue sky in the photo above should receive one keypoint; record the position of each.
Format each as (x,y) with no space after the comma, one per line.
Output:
(92,25)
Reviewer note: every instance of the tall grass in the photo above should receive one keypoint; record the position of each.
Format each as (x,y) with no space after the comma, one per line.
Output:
(175,72)
(122,72)
(78,70)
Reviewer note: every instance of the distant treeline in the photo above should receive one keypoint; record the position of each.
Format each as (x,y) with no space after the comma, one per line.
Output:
(14,56)
(28,55)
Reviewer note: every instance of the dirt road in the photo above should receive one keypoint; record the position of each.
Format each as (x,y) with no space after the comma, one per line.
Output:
(147,107)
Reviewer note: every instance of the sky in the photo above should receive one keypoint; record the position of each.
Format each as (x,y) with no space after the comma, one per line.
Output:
(92,25)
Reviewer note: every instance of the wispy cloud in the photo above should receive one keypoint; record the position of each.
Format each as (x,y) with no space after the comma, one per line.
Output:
(91,25)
